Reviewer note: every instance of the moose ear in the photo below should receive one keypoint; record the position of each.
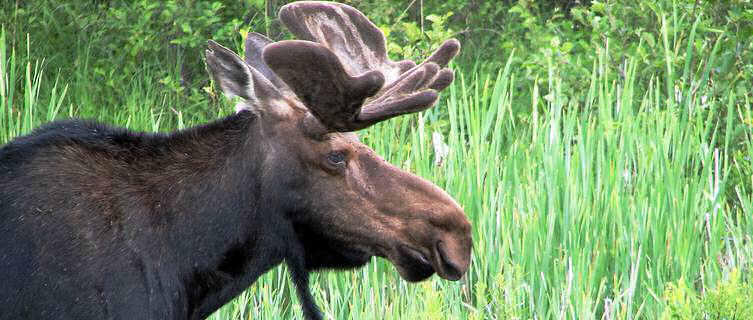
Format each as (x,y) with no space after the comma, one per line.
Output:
(229,71)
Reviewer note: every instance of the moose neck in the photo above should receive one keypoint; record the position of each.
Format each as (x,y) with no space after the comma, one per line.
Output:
(208,181)
(208,207)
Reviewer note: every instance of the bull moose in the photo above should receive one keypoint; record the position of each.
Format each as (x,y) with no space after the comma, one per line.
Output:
(99,222)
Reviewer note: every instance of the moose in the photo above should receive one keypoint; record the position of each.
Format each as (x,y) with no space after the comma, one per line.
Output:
(98,222)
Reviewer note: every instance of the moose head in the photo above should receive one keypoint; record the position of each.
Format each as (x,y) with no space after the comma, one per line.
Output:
(311,94)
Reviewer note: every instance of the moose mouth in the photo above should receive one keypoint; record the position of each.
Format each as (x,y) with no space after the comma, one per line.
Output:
(413,265)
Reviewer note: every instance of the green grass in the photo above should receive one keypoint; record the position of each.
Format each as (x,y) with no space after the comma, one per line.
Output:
(578,209)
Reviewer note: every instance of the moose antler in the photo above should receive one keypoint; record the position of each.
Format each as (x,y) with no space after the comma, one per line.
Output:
(341,72)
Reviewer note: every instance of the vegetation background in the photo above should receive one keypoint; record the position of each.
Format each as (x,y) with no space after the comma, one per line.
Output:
(602,149)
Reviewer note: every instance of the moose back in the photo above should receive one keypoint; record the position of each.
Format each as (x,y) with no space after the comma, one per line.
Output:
(98,222)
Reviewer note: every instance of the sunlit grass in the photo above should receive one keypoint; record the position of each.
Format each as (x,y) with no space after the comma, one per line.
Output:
(578,209)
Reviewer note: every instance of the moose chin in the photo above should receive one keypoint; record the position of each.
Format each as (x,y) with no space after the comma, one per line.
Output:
(99,222)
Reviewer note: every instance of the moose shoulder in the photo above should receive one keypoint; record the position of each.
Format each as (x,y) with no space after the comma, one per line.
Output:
(103,223)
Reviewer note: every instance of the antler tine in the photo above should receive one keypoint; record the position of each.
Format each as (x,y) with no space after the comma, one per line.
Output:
(255,44)
(357,42)
(344,63)
(416,90)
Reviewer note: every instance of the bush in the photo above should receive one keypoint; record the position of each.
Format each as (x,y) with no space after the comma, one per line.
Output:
(731,299)
(102,46)
(672,38)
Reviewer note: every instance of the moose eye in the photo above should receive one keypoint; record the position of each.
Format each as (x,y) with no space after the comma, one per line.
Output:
(336,158)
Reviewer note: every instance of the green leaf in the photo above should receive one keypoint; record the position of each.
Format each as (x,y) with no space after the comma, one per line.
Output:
(567,46)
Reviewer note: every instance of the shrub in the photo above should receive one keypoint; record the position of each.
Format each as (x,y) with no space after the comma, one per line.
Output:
(729,300)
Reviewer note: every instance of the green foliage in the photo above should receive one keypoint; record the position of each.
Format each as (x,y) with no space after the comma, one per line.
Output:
(113,42)
(406,40)
(682,302)
(144,27)
(666,37)
(731,299)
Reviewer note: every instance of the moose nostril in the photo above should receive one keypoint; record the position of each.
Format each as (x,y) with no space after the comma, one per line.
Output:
(451,270)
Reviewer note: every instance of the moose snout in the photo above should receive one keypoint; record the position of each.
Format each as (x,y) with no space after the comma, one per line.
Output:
(448,268)
(452,257)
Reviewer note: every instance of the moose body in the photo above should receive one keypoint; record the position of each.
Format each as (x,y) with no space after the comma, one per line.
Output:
(103,223)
